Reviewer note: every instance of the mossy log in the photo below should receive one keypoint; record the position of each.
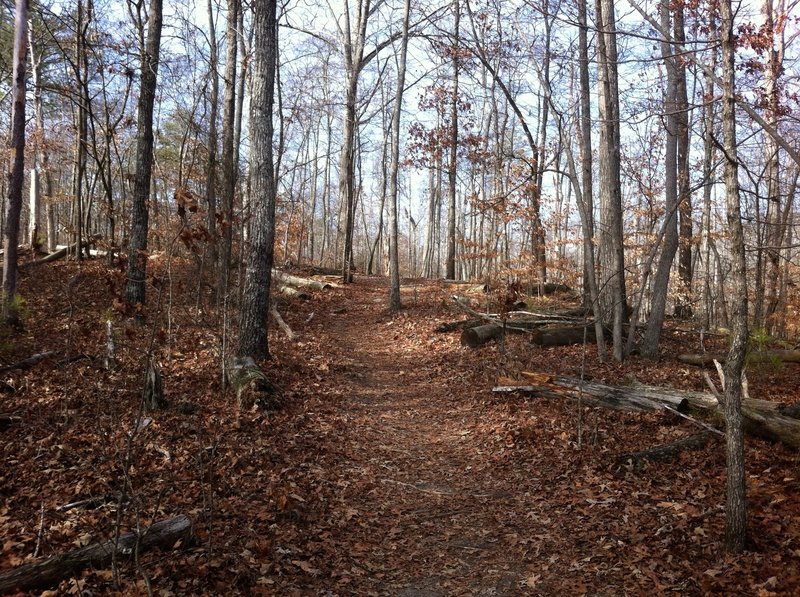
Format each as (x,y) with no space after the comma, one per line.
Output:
(48,573)
(251,386)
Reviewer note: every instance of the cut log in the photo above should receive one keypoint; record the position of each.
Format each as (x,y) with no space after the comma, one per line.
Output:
(298,282)
(294,293)
(480,335)
(664,452)
(762,418)
(564,335)
(758,357)
(165,534)
(251,386)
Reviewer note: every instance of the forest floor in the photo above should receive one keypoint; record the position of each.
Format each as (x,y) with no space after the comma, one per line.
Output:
(392,469)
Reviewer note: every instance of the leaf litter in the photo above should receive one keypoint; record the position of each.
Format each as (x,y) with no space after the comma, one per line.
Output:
(391,470)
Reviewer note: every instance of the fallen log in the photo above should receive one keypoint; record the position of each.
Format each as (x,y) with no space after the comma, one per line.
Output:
(61,253)
(664,452)
(294,293)
(762,418)
(480,335)
(29,362)
(298,282)
(165,534)
(565,335)
(757,357)
(631,399)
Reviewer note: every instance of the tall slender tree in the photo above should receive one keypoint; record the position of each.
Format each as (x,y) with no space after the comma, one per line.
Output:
(394,257)
(735,503)
(611,248)
(253,339)
(149,59)
(17,172)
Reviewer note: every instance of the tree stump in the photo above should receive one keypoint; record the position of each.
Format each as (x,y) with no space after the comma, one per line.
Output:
(251,386)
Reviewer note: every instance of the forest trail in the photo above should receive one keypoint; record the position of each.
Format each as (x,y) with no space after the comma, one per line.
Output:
(441,517)
(427,506)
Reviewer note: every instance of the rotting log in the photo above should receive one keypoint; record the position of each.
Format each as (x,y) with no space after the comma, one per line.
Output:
(564,335)
(480,335)
(664,452)
(251,386)
(298,282)
(294,293)
(165,534)
(756,357)
(29,362)
(762,418)
(633,399)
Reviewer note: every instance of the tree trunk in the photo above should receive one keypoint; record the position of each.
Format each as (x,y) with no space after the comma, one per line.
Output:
(452,171)
(611,247)
(394,255)
(137,248)
(683,307)
(258,276)
(211,162)
(736,505)
(14,207)
(652,334)
(230,166)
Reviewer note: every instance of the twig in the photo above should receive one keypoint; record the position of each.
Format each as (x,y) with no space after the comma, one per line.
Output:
(695,421)
(41,532)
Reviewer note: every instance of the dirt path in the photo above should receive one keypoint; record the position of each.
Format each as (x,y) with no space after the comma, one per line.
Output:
(425,508)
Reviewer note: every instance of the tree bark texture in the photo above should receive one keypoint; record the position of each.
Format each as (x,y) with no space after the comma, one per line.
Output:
(258,275)
(17,171)
(137,247)
(611,248)
(735,504)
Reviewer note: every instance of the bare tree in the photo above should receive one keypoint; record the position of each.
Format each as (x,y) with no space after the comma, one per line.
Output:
(253,339)
(137,248)
(611,251)
(394,257)
(735,505)
(14,205)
